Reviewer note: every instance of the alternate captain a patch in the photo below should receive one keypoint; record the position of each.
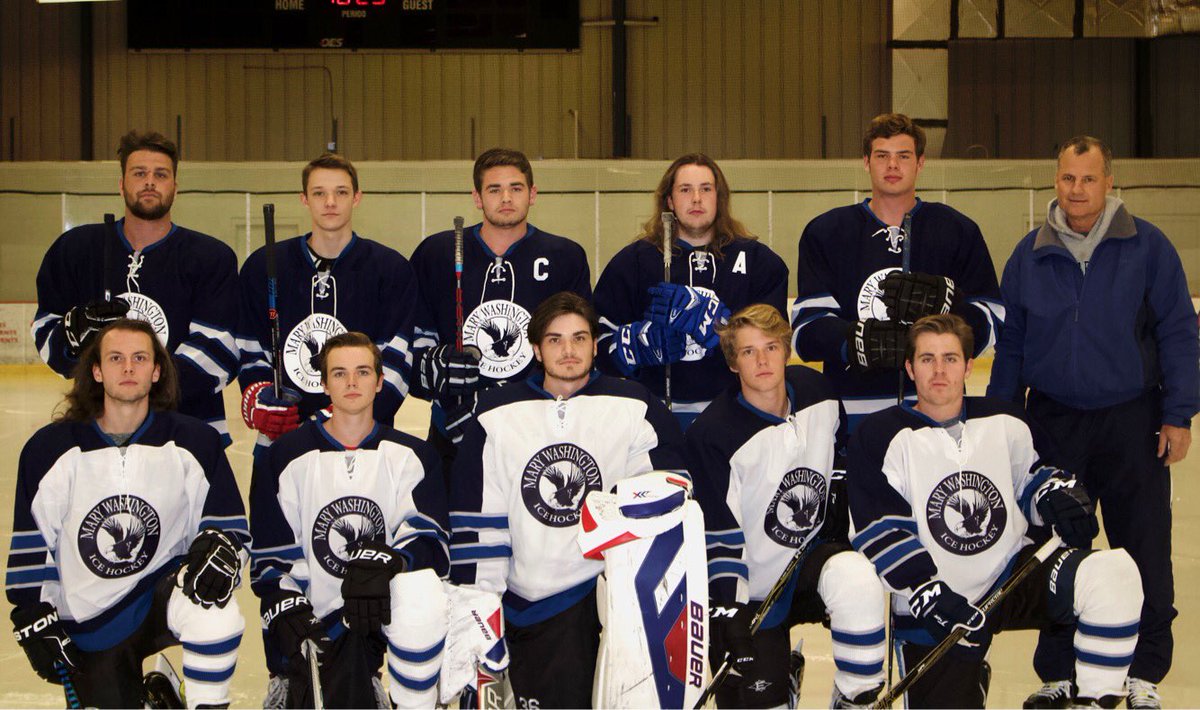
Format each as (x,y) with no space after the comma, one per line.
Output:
(797,507)
(966,513)
(119,536)
(340,525)
(555,482)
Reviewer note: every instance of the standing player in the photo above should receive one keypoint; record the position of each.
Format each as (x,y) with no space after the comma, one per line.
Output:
(717,267)
(1104,336)
(182,282)
(349,519)
(330,280)
(867,271)
(111,499)
(762,457)
(509,267)
(533,452)
(943,495)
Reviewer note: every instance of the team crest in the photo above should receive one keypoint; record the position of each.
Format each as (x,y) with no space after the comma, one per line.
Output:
(302,346)
(555,482)
(870,302)
(119,536)
(693,350)
(142,307)
(966,513)
(797,508)
(498,329)
(340,525)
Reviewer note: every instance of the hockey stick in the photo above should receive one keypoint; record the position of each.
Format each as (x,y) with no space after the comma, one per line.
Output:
(314,673)
(959,632)
(756,621)
(110,236)
(272,292)
(668,223)
(64,675)
(458,271)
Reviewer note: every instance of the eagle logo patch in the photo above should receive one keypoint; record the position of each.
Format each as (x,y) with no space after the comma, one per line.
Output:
(797,508)
(142,307)
(498,328)
(302,345)
(966,513)
(340,525)
(119,536)
(555,482)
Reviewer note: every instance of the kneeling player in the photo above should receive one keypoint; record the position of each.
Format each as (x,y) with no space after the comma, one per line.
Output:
(943,495)
(762,456)
(128,533)
(350,519)
(535,450)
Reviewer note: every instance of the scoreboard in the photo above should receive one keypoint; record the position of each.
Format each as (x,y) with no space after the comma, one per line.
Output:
(352,24)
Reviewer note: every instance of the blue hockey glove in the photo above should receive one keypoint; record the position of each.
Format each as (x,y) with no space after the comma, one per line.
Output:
(730,626)
(212,569)
(645,343)
(1064,504)
(42,637)
(688,311)
(81,323)
(366,592)
(939,609)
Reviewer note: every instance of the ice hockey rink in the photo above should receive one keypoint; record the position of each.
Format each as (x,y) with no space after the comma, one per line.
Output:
(32,392)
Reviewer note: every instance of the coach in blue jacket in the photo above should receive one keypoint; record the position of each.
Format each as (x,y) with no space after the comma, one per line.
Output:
(1100,328)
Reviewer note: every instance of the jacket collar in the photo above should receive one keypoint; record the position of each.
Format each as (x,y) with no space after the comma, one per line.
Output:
(1122,227)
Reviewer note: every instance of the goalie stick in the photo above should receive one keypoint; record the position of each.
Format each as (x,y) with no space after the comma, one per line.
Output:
(272,291)
(757,620)
(668,223)
(1043,553)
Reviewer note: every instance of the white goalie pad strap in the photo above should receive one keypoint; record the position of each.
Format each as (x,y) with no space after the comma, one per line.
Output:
(641,507)
(475,638)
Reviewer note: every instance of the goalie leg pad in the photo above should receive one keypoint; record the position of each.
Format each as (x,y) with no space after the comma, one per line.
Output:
(416,638)
(210,638)
(475,638)
(1108,602)
(853,596)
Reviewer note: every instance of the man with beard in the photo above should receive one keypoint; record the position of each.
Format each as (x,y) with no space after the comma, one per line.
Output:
(717,267)
(182,282)
(530,456)
(509,267)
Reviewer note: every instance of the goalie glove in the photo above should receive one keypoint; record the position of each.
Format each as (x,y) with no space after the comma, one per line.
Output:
(81,323)
(1064,504)
(909,296)
(645,343)
(289,618)
(939,609)
(269,414)
(730,627)
(212,569)
(43,639)
(366,588)
(689,311)
(442,371)
(876,344)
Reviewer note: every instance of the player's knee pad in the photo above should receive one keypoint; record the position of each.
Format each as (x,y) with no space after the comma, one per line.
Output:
(190,622)
(1108,601)
(210,638)
(849,586)
(1108,587)
(416,637)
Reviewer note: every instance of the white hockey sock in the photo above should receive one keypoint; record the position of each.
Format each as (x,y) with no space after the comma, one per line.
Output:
(210,639)
(853,596)
(1108,603)
(416,638)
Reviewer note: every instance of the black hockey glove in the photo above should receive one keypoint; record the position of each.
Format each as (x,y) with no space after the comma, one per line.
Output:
(909,296)
(459,413)
(366,592)
(212,569)
(82,322)
(42,637)
(442,371)
(730,628)
(876,344)
(289,618)
(1064,504)
(939,609)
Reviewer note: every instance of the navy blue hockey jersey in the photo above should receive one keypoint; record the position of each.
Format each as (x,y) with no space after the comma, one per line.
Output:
(748,272)
(311,499)
(526,463)
(370,288)
(846,253)
(96,525)
(185,285)
(500,292)
(764,483)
